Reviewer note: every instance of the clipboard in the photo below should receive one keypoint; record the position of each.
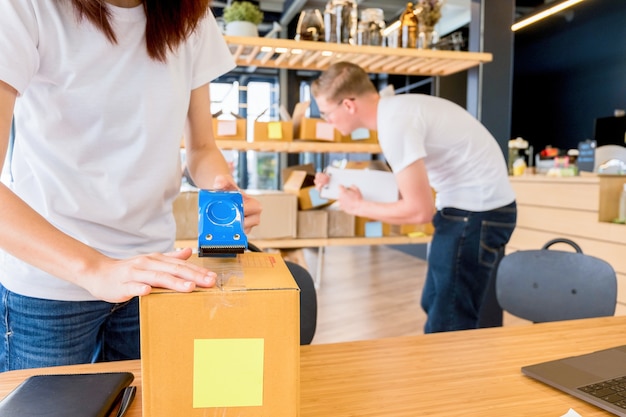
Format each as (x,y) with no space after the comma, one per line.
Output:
(378,186)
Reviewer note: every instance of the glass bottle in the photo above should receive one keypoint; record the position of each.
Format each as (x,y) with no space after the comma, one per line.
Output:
(408,27)
(340,20)
(371,26)
(310,26)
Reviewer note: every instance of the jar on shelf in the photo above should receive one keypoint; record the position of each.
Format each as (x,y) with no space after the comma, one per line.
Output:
(408,27)
(370,27)
(310,26)
(340,21)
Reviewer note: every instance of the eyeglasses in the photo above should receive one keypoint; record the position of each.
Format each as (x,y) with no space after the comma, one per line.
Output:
(324,115)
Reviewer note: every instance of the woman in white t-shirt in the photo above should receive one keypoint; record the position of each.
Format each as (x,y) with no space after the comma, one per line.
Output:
(101,92)
(431,144)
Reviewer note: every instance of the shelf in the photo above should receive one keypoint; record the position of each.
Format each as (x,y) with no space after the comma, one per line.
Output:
(324,242)
(308,55)
(299,146)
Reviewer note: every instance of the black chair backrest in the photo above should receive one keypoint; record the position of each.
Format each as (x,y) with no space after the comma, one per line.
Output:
(550,285)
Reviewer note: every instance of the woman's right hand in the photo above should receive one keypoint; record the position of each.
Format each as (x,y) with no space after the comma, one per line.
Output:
(118,280)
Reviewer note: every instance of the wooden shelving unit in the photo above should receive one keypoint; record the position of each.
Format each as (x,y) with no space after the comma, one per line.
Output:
(308,55)
(299,146)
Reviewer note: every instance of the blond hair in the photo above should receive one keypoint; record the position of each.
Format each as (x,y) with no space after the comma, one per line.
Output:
(342,80)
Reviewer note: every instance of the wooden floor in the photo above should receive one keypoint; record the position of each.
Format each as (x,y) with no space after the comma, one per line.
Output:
(369,292)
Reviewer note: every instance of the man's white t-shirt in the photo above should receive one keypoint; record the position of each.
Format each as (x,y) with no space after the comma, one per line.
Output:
(464,163)
(98,128)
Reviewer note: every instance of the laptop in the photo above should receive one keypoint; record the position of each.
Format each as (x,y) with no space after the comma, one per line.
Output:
(598,378)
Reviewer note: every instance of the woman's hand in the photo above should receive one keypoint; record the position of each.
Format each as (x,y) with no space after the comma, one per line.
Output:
(251,206)
(118,280)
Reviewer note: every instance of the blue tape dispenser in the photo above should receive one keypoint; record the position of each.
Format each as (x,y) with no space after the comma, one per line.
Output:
(220,223)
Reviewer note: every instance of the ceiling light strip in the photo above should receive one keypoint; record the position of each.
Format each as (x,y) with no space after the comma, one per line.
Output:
(543,14)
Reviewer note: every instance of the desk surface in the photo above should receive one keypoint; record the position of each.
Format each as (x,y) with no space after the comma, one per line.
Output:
(468,373)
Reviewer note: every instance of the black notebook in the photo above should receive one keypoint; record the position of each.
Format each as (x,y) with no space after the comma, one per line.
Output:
(75,395)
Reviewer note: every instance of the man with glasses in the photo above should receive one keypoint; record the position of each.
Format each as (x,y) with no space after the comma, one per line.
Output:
(430,143)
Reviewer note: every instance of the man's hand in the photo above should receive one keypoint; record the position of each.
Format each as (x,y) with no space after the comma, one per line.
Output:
(321,180)
(350,199)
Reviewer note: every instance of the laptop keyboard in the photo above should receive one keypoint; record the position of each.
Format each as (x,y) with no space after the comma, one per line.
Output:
(613,391)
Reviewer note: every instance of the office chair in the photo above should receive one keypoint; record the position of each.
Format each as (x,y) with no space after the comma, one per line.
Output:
(551,285)
(308,298)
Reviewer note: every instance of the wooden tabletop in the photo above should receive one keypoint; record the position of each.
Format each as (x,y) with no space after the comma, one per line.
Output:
(467,373)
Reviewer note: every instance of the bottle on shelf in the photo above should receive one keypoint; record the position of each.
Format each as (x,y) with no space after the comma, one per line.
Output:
(370,27)
(408,27)
(340,21)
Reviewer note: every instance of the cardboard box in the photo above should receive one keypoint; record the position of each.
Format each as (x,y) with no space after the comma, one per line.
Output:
(279,215)
(228,351)
(186,215)
(413,229)
(361,136)
(300,183)
(312,224)
(229,129)
(365,227)
(340,223)
(273,131)
(317,129)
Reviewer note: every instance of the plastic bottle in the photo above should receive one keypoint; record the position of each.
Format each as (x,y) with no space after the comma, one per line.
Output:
(622,205)
(408,27)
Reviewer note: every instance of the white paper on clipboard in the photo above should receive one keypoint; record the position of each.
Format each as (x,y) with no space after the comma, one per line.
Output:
(379,186)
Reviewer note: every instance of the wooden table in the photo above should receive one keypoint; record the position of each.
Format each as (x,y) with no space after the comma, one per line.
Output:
(466,373)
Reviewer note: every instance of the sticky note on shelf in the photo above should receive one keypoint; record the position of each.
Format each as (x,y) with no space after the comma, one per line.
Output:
(274,130)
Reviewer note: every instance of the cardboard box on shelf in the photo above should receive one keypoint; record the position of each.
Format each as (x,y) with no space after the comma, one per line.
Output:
(426,229)
(340,223)
(279,215)
(300,183)
(186,215)
(312,224)
(233,128)
(361,136)
(273,131)
(317,129)
(232,350)
(364,227)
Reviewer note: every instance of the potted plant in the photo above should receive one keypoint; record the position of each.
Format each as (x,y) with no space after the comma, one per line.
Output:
(242,18)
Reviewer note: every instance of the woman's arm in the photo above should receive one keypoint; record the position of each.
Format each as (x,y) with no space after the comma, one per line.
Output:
(28,236)
(205,161)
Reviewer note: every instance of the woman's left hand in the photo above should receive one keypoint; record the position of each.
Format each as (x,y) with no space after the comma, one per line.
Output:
(251,206)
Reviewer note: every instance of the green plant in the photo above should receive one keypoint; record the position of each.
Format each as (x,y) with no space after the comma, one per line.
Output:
(243,11)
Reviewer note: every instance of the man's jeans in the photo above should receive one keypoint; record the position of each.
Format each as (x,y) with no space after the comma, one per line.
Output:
(39,333)
(464,253)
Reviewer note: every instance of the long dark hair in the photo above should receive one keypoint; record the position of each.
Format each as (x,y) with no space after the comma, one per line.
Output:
(168,22)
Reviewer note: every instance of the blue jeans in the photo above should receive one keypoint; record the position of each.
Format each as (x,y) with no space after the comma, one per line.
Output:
(39,333)
(464,253)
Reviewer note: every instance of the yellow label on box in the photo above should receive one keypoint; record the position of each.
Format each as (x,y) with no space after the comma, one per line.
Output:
(274,130)
(228,373)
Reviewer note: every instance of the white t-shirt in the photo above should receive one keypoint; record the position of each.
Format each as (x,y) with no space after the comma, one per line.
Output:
(98,128)
(464,162)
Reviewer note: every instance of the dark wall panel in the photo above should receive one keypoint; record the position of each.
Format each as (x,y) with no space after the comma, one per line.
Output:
(568,71)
